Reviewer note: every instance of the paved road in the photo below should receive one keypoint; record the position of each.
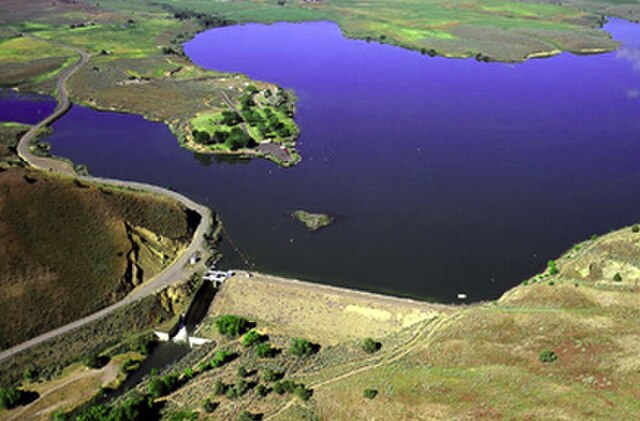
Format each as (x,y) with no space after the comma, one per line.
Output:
(176,272)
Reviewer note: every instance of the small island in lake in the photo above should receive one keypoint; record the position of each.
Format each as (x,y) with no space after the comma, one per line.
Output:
(313,221)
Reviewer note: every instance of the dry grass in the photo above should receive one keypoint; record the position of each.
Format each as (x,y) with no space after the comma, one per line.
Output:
(69,249)
(325,314)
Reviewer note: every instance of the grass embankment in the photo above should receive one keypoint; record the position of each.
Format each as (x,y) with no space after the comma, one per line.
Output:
(136,66)
(71,248)
(497,30)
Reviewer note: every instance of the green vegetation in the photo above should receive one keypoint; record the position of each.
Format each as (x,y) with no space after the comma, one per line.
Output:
(252,338)
(635,228)
(488,30)
(617,277)
(370,393)
(547,356)
(265,350)
(301,347)
(370,346)
(232,326)
(10,397)
(552,268)
(313,221)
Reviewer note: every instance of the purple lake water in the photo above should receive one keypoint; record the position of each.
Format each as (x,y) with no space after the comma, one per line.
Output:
(445,175)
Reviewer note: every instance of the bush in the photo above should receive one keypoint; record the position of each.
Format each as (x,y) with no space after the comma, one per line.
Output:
(232,326)
(30,374)
(262,390)
(552,268)
(219,388)
(95,361)
(370,346)
(302,392)
(268,375)
(635,228)
(248,416)
(301,347)
(220,358)
(547,356)
(264,350)
(370,393)
(251,338)
(617,277)
(209,406)
(242,371)
(10,397)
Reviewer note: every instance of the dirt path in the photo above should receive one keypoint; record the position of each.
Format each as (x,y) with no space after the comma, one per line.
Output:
(422,339)
(171,274)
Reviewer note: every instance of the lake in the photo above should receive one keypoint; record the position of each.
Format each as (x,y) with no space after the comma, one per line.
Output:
(444,175)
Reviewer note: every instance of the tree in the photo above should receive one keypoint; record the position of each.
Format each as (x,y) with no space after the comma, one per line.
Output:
(301,347)
(635,228)
(262,390)
(268,375)
(30,373)
(251,338)
(551,266)
(242,371)
(264,350)
(247,416)
(232,326)
(219,388)
(617,277)
(209,406)
(231,118)
(200,136)
(370,346)
(370,393)
(220,358)
(547,356)
(10,397)
(302,392)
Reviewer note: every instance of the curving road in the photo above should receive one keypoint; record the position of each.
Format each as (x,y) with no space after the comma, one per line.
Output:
(174,273)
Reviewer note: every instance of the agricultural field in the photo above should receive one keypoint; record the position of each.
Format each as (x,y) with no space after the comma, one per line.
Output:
(136,64)
(83,247)
(496,30)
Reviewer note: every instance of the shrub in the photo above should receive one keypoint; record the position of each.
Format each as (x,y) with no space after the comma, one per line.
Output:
(617,277)
(264,350)
(370,393)
(188,373)
(301,347)
(231,118)
(547,356)
(242,371)
(96,361)
(268,375)
(10,397)
(232,326)
(241,387)
(209,406)
(302,392)
(262,390)
(251,338)
(220,358)
(552,268)
(370,346)
(248,416)
(635,228)
(30,373)
(219,388)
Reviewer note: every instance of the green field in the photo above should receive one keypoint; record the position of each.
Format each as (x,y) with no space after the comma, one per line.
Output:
(498,30)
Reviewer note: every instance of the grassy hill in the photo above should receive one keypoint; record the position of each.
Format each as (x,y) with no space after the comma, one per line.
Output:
(562,345)
(69,249)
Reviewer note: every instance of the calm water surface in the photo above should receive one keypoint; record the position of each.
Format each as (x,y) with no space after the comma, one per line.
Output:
(445,176)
